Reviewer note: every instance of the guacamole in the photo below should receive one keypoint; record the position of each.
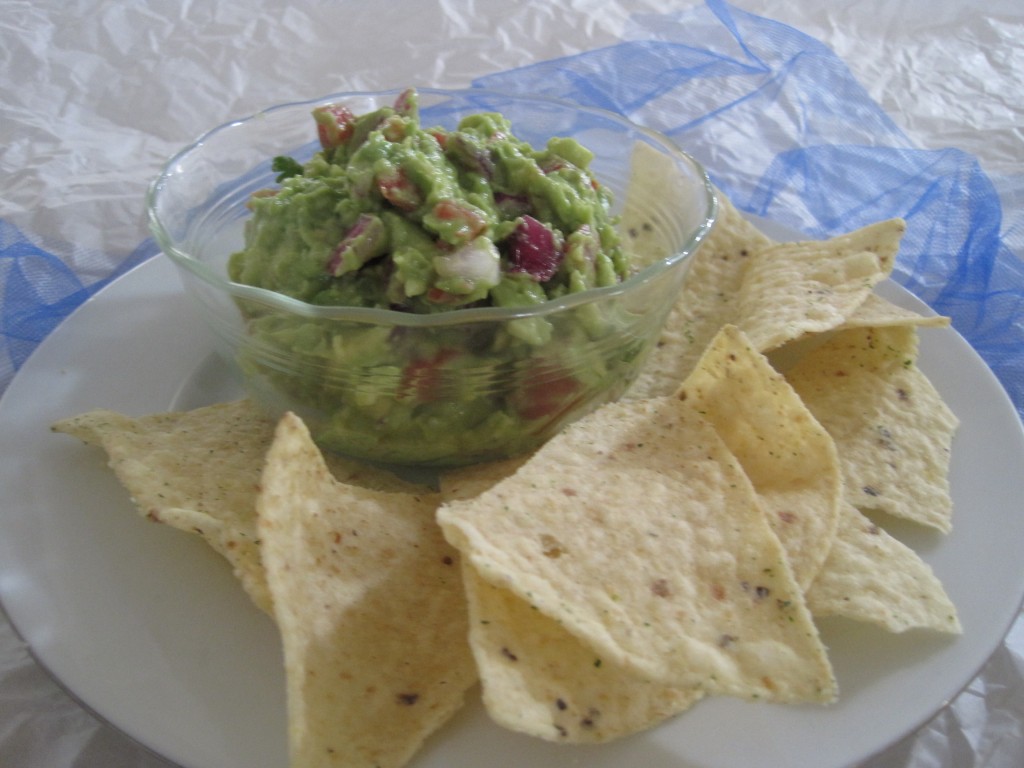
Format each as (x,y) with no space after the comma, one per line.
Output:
(390,215)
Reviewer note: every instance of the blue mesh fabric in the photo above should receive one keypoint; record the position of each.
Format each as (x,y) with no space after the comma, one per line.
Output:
(788,134)
(37,291)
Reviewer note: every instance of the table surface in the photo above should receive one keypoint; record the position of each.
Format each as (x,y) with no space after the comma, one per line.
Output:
(94,96)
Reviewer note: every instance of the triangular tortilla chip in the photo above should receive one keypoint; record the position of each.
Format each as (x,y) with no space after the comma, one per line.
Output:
(707,301)
(540,680)
(874,312)
(368,598)
(656,189)
(775,292)
(786,453)
(636,529)
(870,576)
(790,289)
(892,429)
(537,678)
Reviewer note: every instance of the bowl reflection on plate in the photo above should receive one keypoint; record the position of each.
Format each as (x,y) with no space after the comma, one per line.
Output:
(441,389)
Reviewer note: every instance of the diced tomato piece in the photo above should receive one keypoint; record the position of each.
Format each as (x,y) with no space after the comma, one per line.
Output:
(549,394)
(334,124)
(421,379)
(467,222)
(399,191)
(553,164)
(407,103)
(437,296)
(440,136)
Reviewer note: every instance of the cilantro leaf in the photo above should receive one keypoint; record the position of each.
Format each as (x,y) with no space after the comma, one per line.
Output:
(286,167)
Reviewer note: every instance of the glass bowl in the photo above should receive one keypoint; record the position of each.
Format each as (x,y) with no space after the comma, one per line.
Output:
(450,388)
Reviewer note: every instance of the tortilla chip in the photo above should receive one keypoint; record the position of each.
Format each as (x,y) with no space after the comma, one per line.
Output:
(656,190)
(540,680)
(892,429)
(638,532)
(707,301)
(537,678)
(788,456)
(870,576)
(774,292)
(874,312)
(369,601)
(790,289)
(470,481)
(199,471)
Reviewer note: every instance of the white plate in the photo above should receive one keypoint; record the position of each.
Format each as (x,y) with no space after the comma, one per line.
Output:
(146,626)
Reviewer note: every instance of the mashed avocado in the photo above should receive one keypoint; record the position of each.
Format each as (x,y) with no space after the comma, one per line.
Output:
(388,214)
(391,215)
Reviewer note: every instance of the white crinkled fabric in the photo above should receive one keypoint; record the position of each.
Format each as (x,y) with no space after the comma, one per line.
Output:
(94,96)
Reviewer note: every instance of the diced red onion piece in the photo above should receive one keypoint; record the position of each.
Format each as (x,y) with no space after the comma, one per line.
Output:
(532,249)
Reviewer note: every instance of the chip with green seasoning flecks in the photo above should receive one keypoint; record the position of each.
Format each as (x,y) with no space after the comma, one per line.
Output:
(369,601)
(788,456)
(199,471)
(707,301)
(637,531)
(791,289)
(874,312)
(892,430)
(872,577)
(540,680)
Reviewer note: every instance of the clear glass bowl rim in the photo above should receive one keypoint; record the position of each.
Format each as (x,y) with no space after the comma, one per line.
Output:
(392,317)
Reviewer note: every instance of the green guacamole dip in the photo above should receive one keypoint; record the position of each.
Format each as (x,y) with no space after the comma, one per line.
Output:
(391,215)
